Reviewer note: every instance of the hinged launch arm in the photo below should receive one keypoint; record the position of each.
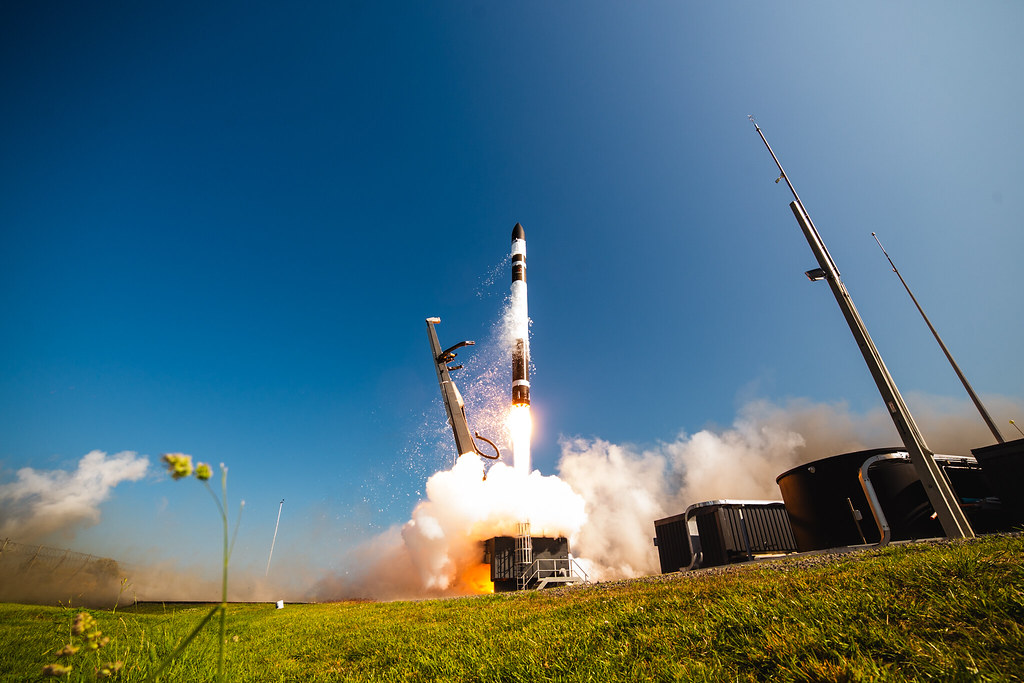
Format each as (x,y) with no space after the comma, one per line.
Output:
(454,406)
(448,355)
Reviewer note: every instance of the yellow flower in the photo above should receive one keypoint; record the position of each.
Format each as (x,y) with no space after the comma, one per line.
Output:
(203,471)
(111,669)
(178,464)
(56,670)
(83,622)
(67,650)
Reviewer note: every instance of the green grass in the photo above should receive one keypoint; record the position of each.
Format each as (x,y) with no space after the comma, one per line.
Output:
(947,612)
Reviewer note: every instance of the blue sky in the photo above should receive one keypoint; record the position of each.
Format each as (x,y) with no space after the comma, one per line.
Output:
(222,226)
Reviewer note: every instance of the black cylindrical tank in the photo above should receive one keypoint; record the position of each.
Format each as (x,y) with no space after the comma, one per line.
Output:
(824,498)
(1003,468)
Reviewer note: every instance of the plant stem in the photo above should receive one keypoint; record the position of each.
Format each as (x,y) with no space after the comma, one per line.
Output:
(178,650)
(224,582)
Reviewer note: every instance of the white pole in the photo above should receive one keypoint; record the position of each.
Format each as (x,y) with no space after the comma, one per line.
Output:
(940,494)
(275,537)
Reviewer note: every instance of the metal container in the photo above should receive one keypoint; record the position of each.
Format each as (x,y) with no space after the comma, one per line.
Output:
(828,507)
(736,531)
(818,497)
(1003,468)
(728,531)
(673,539)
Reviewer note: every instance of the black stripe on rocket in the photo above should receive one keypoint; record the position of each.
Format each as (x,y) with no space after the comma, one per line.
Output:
(520,352)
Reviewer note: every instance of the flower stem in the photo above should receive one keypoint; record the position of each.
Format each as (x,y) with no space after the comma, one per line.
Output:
(178,650)
(224,582)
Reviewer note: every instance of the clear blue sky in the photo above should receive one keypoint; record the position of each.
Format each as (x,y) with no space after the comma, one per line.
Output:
(223,224)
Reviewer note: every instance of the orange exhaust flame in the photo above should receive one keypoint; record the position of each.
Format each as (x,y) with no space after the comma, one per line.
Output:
(476,579)
(520,429)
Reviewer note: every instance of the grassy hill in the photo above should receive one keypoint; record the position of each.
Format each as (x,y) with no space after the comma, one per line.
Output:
(941,611)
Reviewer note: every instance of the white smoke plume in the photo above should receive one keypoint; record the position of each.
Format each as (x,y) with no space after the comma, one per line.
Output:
(463,508)
(607,496)
(439,550)
(41,503)
(627,488)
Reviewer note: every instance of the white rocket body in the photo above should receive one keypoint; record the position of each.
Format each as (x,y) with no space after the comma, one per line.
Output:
(520,321)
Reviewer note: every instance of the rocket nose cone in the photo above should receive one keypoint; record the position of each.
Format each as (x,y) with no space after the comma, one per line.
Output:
(518,233)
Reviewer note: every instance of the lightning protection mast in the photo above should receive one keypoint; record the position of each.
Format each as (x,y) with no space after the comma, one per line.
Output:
(949,356)
(943,500)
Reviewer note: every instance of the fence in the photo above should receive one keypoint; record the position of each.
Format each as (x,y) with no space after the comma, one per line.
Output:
(42,575)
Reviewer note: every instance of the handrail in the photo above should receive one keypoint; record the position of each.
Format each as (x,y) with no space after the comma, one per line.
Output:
(574,563)
(884,531)
(550,564)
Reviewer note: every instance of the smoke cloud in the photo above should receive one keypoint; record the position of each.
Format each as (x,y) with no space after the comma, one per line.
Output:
(463,508)
(606,496)
(626,487)
(38,503)
(55,504)
(438,551)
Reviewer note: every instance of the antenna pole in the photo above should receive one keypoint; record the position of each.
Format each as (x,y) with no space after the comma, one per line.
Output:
(940,495)
(275,537)
(792,189)
(956,368)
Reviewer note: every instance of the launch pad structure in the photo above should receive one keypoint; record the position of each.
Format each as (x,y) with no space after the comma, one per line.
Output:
(841,501)
(523,561)
(526,562)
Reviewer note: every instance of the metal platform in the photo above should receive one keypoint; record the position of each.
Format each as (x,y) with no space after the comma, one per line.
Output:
(526,562)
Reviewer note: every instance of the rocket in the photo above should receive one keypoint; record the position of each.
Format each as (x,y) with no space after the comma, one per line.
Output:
(520,321)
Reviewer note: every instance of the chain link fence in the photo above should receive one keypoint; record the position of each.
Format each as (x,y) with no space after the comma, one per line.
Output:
(38,574)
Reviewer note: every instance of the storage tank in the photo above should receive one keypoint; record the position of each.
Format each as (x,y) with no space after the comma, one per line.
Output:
(828,508)
(1002,466)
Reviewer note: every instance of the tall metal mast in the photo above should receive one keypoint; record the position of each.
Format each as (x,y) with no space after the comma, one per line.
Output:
(271,556)
(943,500)
(956,368)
